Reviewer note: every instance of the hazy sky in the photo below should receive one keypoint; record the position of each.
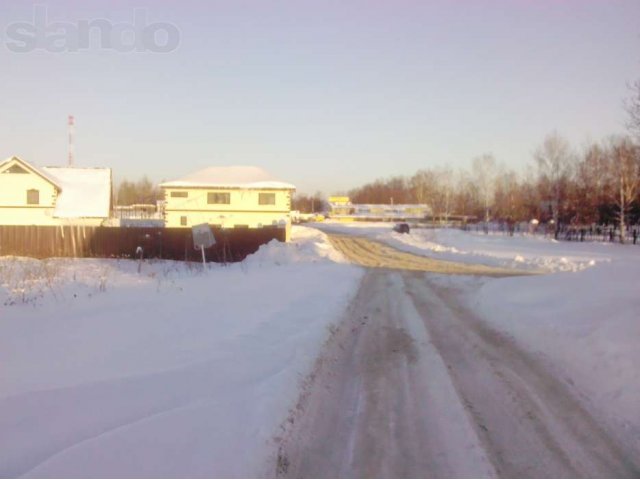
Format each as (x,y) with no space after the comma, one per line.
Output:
(324,94)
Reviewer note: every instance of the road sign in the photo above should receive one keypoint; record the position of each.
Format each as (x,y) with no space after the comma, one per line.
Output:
(203,236)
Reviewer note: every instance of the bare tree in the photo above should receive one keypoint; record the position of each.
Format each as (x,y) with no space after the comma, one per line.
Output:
(308,203)
(465,194)
(392,190)
(555,165)
(592,183)
(625,171)
(141,191)
(423,186)
(484,170)
(632,106)
(509,196)
(443,200)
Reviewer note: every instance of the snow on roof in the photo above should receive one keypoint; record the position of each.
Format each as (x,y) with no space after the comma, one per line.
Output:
(85,192)
(230,177)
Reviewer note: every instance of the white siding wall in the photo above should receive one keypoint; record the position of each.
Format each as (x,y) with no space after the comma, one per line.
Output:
(244,208)
(13,199)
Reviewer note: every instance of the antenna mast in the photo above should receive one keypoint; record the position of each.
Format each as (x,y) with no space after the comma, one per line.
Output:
(72,132)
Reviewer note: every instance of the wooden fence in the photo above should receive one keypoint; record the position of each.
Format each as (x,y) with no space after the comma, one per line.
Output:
(121,242)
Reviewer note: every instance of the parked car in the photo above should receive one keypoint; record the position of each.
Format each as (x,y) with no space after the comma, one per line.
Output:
(401,228)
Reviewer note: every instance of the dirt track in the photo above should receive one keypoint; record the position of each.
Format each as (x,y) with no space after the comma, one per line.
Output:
(415,385)
(370,253)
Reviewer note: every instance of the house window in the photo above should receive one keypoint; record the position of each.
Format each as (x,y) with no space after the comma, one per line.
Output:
(33,197)
(15,169)
(179,194)
(183,221)
(267,199)
(218,198)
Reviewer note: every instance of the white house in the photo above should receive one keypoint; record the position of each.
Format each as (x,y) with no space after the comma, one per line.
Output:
(228,197)
(31,195)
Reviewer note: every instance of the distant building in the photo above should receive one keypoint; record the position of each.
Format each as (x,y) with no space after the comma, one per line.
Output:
(138,215)
(31,195)
(228,198)
(342,208)
(340,205)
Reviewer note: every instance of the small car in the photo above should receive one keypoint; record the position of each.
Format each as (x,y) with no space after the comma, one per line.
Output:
(401,228)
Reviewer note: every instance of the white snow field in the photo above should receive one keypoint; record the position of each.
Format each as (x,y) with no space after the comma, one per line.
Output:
(172,372)
(582,317)
(183,372)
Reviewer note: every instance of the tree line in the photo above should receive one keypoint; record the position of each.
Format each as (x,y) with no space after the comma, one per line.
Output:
(600,184)
(142,191)
(308,203)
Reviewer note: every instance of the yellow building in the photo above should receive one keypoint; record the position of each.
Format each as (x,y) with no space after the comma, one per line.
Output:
(340,205)
(341,208)
(228,197)
(31,195)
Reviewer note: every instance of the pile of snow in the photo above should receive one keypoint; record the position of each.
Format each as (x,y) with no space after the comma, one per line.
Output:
(307,245)
(177,371)
(586,324)
(519,251)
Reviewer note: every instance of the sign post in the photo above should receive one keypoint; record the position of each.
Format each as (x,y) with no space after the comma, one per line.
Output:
(202,238)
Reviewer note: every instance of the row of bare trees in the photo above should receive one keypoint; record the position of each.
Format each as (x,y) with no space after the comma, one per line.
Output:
(308,203)
(597,185)
(142,191)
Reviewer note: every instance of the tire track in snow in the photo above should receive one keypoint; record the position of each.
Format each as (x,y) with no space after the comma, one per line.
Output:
(370,253)
(531,423)
(384,406)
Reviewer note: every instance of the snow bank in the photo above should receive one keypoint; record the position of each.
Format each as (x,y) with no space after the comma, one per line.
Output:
(586,325)
(308,245)
(178,371)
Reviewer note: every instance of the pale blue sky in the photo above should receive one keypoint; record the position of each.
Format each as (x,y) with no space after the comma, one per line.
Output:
(324,94)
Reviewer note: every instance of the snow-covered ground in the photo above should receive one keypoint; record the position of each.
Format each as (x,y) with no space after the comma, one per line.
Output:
(179,371)
(175,371)
(586,324)
(583,316)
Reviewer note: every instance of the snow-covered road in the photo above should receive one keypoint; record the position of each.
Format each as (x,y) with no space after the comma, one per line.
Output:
(416,385)
(374,254)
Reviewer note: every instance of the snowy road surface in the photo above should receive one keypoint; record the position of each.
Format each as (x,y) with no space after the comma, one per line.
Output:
(416,385)
(370,253)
